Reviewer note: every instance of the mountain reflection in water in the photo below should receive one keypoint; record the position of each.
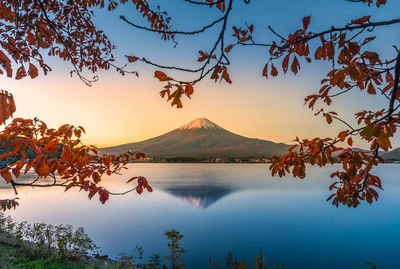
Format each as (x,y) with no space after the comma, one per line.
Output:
(201,195)
(243,209)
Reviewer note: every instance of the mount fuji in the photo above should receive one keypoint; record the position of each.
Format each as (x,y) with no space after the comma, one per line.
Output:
(202,138)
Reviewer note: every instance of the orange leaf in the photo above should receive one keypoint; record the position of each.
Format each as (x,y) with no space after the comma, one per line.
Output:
(342,135)
(203,56)
(177,98)
(139,189)
(43,170)
(131,179)
(69,186)
(371,89)
(21,73)
(380,2)
(225,76)
(306,22)
(328,118)
(228,48)
(361,20)
(161,76)
(93,192)
(285,63)
(32,71)
(350,141)
(6,175)
(132,59)
(106,160)
(274,71)
(265,71)
(295,65)
(189,90)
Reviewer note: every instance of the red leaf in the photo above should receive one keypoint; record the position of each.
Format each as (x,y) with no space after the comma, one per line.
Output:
(285,63)
(295,65)
(225,76)
(139,189)
(6,175)
(251,28)
(21,73)
(93,192)
(380,2)
(265,71)
(203,56)
(306,22)
(96,177)
(371,89)
(342,135)
(161,76)
(361,20)
(274,71)
(32,71)
(106,160)
(350,141)
(131,179)
(132,59)
(69,186)
(189,90)
(228,48)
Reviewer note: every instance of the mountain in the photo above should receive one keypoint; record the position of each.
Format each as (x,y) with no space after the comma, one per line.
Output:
(391,156)
(202,138)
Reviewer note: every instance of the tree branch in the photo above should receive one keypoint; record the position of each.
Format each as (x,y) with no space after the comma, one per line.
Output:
(395,86)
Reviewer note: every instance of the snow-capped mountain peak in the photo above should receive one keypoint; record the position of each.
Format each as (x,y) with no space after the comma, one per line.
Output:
(200,123)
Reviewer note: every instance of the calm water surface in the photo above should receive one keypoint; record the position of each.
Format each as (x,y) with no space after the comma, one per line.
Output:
(238,208)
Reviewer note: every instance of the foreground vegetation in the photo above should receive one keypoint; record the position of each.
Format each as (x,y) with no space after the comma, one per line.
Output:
(40,245)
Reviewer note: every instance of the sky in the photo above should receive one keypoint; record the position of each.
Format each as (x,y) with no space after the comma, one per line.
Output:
(122,109)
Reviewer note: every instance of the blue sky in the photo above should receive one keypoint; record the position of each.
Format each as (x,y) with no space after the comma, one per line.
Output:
(127,109)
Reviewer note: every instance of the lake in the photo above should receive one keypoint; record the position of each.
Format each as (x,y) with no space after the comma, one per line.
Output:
(238,208)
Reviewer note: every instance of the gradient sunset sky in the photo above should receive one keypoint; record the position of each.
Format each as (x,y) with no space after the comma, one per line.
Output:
(117,109)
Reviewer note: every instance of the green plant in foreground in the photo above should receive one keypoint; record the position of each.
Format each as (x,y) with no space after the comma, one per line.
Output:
(176,252)
(40,245)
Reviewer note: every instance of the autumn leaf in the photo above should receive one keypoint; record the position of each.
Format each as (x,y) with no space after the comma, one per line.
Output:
(226,77)
(5,173)
(132,59)
(285,63)
(371,89)
(139,189)
(361,20)
(203,56)
(228,48)
(328,118)
(251,28)
(380,2)
(295,65)
(93,192)
(21,73)
(131,179)
(265,71)
(177,98)
(350,141)
(189,90)
(342,135)
(306,22)
(274,71)
(33,71)
(161,76)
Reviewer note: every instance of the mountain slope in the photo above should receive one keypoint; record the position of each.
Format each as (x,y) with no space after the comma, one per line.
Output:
(392,156)
(201,138)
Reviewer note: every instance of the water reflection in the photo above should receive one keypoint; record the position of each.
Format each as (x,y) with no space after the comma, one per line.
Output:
(243,209)
(199,196)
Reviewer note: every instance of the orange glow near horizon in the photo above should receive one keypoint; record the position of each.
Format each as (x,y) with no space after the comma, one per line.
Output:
(118,110)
